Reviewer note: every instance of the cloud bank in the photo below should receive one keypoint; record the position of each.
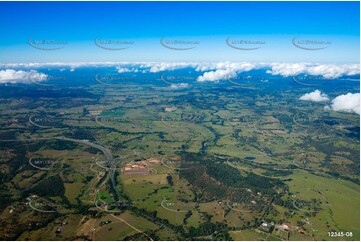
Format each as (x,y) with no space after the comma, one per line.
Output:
(329,71)
(13,76)
(212,72)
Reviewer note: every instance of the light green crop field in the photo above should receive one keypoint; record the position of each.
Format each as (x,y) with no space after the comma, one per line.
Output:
(340,206)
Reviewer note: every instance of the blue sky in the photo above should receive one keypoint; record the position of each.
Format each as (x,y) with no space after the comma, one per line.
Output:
(209,23)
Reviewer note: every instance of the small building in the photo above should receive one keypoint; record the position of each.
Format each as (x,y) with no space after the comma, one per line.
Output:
(170,109)
(283,227)
(95,112)
(266,227)
(140,171)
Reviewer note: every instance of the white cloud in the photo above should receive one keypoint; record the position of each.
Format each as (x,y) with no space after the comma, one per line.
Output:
(180,85)
(349,103)
(315,96)
(13,76)
(158,67)
(329,71)
(224,70)
(215,75)
(153,67)
(124,69)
